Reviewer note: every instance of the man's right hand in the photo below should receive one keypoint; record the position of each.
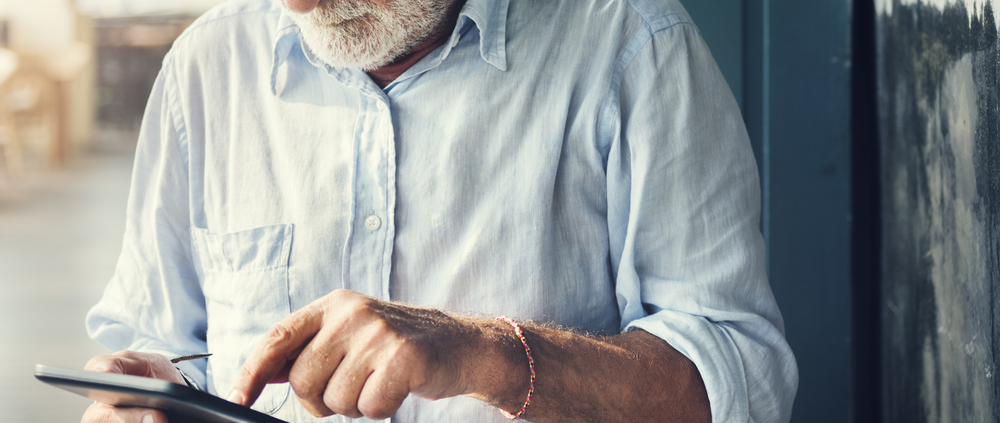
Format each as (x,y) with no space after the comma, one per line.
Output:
(130,363)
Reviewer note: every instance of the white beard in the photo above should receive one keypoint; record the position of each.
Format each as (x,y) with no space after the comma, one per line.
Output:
(360,34)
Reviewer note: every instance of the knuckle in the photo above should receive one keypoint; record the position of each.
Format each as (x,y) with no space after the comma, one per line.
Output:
(278,335)
(305,387)
(382,402)
(249,371)
(127,355)
(382,327)
(342,294)
(316,408)
(245,375)
(311,408)
(314,411)
(376,410)
(337,401)
(360,309)
(338,298)
(104,364)
(343,408)
(96,364)
(114,365)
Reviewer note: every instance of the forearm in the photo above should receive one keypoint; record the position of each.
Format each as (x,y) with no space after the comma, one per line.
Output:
(325,351)
(630,377)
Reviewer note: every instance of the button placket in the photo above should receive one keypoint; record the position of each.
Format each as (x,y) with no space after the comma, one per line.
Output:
(373,198)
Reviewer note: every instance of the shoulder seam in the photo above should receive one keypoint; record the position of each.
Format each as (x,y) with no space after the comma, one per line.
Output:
(609,114)
(176,112)
(201,22)
(655,21)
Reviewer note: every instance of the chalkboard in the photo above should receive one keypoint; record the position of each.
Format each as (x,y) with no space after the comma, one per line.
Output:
(939,113)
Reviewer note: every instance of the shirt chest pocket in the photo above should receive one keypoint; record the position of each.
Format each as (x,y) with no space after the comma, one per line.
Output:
(245,282)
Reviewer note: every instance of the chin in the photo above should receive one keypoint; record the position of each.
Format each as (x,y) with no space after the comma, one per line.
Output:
(366,56)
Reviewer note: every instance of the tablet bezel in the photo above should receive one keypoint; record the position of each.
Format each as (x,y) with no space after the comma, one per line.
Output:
(181,403)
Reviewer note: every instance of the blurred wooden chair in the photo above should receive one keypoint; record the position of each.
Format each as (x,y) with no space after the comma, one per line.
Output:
(62,67)
(11,149)
(34,105)
(39,97)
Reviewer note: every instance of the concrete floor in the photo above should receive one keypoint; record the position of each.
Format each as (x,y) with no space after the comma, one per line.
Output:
(59,240)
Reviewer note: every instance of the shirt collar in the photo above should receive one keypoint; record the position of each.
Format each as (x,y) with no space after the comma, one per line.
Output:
(490,16)
(285,37)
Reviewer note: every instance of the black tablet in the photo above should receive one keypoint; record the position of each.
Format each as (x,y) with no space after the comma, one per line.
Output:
(180,403)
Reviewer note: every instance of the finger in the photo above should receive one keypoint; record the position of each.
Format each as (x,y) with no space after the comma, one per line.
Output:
(282,376)
(103,413)
(345,386)
(101,364)
(279,346)
(311,372)
(120,362)
(136,363)
(383,394)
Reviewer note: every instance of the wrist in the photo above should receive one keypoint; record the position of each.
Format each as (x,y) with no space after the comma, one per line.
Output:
(498,370)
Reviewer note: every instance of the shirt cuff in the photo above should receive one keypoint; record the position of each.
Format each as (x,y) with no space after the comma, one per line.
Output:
(190,371)
(712,351)
(190,382)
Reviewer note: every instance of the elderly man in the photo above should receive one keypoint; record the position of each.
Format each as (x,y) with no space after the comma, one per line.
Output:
(339,198)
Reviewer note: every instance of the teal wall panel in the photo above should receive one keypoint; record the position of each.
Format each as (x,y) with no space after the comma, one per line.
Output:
(721,25)
(789,65)
(809,187)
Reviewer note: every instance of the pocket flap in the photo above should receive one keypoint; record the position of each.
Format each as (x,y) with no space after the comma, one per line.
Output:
(253,249)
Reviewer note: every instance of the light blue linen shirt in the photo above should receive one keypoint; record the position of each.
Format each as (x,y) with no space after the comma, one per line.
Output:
(575,162)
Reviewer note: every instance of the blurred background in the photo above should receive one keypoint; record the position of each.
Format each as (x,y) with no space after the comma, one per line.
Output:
(74,78)
(875,123)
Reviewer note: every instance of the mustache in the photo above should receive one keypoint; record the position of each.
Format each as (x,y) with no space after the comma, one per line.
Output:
(333,12)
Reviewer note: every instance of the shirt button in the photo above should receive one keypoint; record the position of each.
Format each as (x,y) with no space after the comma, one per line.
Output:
(381,106)
(457,38)
(372,223)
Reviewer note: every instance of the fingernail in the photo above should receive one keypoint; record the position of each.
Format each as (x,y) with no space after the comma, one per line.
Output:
(234,397)
(147,419)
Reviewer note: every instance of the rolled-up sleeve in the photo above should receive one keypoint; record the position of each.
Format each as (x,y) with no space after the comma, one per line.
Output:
(153,302)
(684,207)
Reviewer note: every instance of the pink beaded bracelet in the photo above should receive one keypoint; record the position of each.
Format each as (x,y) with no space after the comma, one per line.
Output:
(531,366)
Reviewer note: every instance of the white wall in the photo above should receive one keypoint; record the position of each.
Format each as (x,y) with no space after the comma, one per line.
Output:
(106,8)
(45,25)
(39,25)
